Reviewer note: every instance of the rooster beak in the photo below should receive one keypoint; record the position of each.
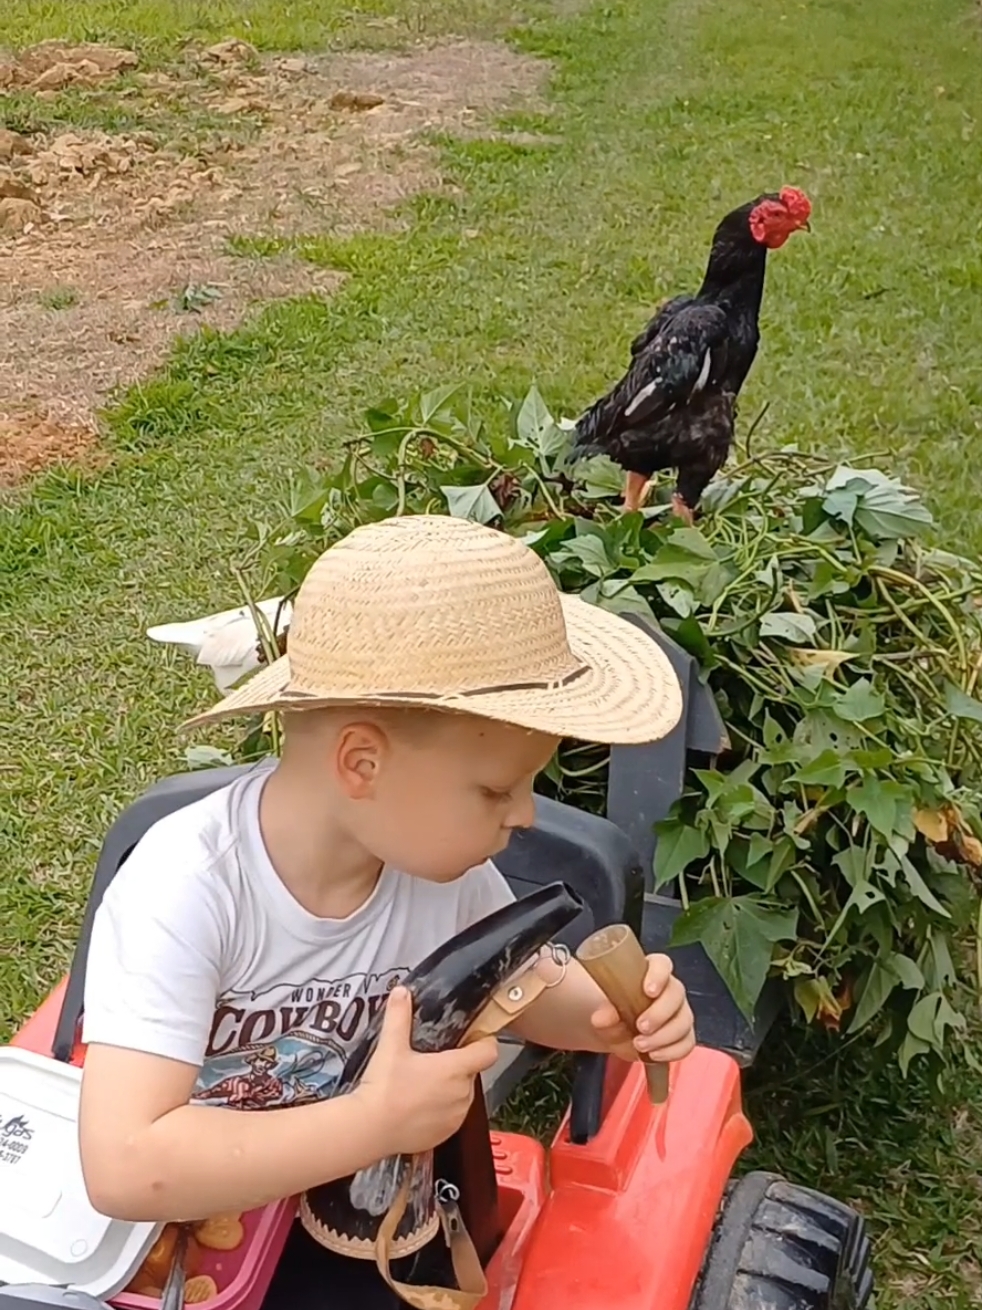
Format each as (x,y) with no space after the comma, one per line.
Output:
(806,225)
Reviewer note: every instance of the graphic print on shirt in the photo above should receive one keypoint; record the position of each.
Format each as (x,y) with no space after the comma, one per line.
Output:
(288,1045)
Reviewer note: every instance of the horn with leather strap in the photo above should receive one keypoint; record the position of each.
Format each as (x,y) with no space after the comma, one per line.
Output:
(472,1286)
(468,988)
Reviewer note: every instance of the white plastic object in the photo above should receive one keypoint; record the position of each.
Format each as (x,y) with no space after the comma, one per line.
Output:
(58,1298)
(226,642)
(49,1231)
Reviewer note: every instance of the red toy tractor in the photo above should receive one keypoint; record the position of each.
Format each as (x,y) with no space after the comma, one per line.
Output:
(633,1205)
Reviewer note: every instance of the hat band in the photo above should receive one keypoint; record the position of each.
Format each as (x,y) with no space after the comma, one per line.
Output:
(548,684)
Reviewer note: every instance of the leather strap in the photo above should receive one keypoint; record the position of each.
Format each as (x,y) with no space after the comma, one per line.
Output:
(507,1003)
(504,1006)
(471,1286)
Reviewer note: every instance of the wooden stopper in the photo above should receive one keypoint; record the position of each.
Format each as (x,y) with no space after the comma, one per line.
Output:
(614,959)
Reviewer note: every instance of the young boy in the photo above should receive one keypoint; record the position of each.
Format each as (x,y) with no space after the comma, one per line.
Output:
(433,667)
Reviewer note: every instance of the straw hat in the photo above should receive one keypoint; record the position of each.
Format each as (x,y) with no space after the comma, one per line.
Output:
(440,612)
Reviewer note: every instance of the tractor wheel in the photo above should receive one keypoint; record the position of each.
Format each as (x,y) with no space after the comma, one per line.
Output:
(776,1246)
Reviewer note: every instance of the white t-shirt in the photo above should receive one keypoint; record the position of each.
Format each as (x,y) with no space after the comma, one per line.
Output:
(200,953)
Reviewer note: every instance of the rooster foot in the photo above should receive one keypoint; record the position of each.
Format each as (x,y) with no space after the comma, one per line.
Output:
(681,510)
(636,490)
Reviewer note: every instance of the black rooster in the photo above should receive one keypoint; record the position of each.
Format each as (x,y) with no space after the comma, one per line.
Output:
(674,408)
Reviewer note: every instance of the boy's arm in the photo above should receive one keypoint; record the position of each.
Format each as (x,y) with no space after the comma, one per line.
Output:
(148,1155)
(152,979)
(561,1017)
(575,1015)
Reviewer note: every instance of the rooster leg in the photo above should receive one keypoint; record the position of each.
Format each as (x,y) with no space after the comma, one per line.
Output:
(682,510)
(636,488)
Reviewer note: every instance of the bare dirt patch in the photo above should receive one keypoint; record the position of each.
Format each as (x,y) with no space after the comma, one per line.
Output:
(30,444)
(110,245)
(53,65)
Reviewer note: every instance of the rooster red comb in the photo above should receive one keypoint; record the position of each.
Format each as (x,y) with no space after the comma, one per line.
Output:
(796,203)
(775,218)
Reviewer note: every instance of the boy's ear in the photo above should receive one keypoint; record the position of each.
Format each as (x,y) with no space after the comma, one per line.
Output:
(359,752)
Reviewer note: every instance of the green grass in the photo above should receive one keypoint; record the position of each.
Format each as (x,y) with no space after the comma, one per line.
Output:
(541,265)
(908,1158)
(58,298)
(182,124)
(159,27)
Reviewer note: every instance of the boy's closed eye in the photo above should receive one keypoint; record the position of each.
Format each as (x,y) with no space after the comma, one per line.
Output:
(494,794)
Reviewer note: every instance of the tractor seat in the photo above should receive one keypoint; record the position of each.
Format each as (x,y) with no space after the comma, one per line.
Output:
(590,854)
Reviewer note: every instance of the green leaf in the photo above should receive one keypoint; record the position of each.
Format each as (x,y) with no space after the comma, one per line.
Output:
(819,730)
(877,800)
(785,854)
(600,477)
(960,706)
(825,770)
(935,960)
(386,443)
(686,557)
(854,864)
(859,703)
(807,992)
(880,521)
(738,934)
(472,503)
(841,504)
(760,861)
(689,634)
(920,888)
(721,833)
(432,402)
(827,579)
(589,551)
(206,757)
(908,974)
(617,598)
(714,782)
(679,845)
(382,416)
(760,848)
(879,981)
(538,429)
(862,898)
(881,506)
(789,626)
(930,1017)
(689,541)
(544,539)
(385,496)
(910,1048)
(678,598)
(714,583)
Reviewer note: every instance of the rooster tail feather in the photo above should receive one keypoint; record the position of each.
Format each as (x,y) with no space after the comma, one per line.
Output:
(582,450)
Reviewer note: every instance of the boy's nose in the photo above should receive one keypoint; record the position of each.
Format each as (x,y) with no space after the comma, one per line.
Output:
(522,815)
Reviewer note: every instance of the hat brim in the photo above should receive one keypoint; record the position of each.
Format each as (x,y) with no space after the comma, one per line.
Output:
(628,692)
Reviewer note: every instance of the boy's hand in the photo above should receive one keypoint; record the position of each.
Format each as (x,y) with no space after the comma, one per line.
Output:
(418,1100)
(666,1029)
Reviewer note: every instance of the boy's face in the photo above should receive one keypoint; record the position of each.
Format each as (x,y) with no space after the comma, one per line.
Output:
(435,794)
